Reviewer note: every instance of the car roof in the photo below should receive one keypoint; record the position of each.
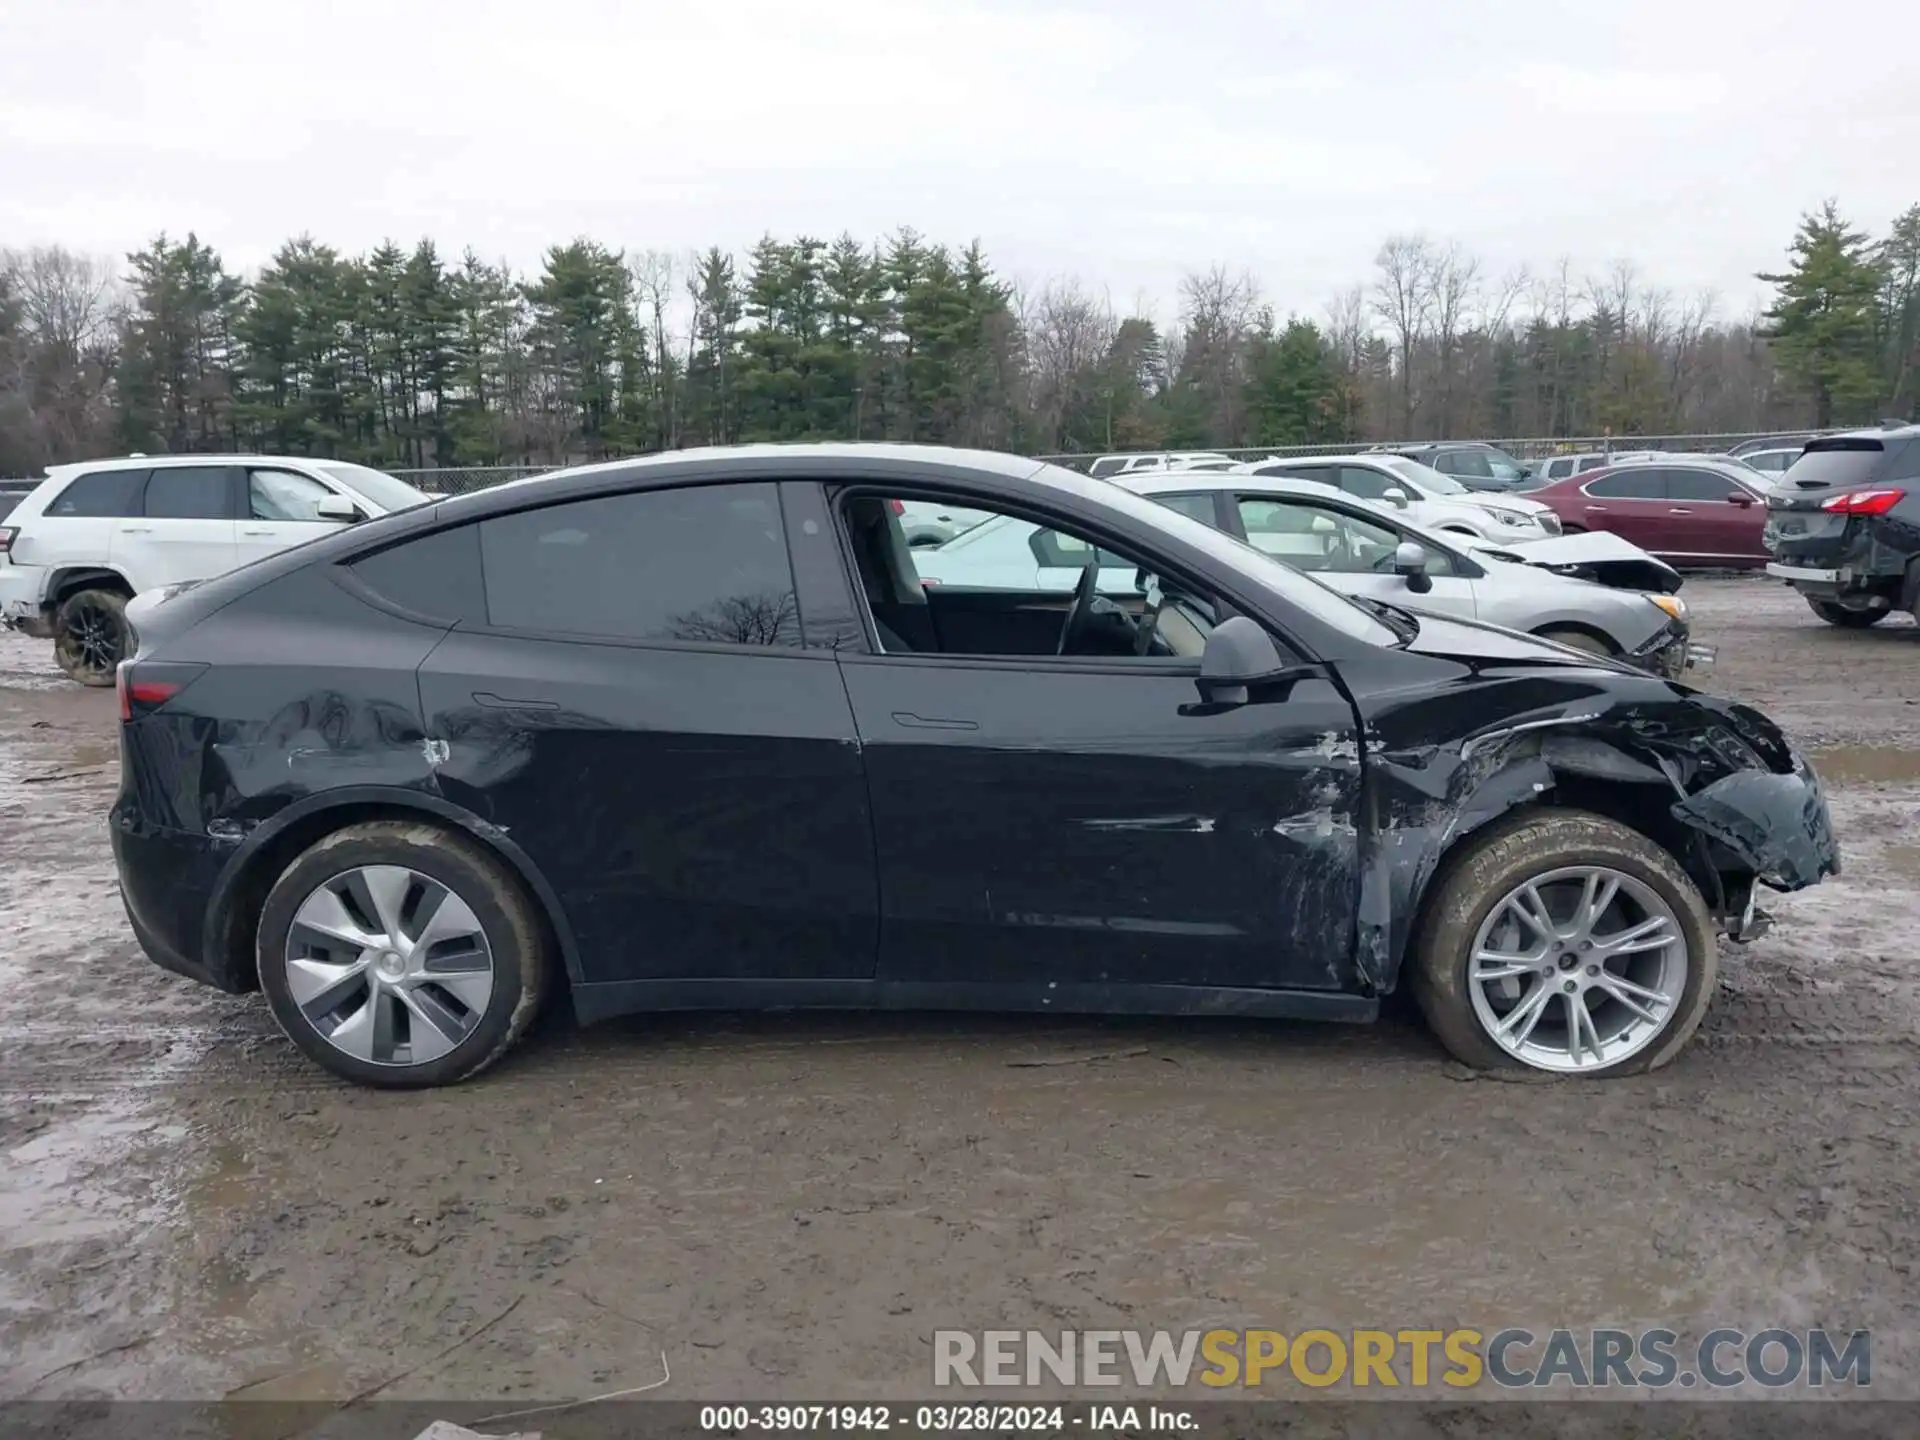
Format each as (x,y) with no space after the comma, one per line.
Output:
(148,462)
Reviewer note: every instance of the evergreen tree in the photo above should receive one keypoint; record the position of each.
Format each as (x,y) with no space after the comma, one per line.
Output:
(1824,319)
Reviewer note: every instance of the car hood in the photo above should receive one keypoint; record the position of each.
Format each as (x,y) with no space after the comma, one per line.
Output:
(1478,644)
(1596,555)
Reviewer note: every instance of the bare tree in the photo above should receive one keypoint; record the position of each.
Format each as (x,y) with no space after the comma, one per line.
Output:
(653,274)
(1453,283)
(1217,309)
(66,308)
(1403,299)
(1069,337)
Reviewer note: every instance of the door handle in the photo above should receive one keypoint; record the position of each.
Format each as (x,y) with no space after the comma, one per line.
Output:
(1596,509)
(504,702)
(1679,510)
(930,722)
(136,529)
(256,532)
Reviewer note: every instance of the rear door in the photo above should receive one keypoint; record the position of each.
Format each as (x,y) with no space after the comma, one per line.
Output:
(1632,503)
(185,529)
(281,508)
(631,700)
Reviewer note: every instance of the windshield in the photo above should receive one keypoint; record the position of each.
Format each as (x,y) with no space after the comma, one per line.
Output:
(1424,477)
(376,485)
(1326,605)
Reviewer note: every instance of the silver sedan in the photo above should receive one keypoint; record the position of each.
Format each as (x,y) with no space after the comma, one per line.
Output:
(1372,551)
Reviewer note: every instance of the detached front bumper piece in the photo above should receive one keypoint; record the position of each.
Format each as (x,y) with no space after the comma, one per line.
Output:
(1776,825)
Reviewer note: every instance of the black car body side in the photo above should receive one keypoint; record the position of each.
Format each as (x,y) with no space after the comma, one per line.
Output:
(749,806)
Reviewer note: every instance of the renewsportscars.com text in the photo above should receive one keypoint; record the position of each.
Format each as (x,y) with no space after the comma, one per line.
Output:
(1461,1358)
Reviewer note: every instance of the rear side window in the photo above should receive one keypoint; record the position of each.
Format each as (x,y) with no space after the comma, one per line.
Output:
(1629,485)
(437,575)
(1107,465)
(190,492)
(705,564)
(103,493)
(1199,506)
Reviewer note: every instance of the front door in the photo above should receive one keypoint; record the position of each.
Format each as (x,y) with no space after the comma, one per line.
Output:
(1711,524)
(635,710)
(281,512)
(1082,820)
(1353,554)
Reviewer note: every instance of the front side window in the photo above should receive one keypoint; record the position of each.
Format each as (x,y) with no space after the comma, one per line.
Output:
(1425,479)
(283,495)
(1320,538)
(1471,463)
(703,564)
(189,492)
(1366,483)
(1699,485)
(101,495)
(1501,468)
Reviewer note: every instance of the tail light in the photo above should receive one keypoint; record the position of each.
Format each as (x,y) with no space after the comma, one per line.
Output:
(149,685)
(1864,502)
(7,532)
(898,507)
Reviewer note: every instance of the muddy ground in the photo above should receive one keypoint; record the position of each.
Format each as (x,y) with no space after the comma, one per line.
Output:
(788,1206)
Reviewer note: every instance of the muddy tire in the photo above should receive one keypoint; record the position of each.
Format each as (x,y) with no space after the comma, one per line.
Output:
(1553,850)
(1846,619)
(401,955)
(91,636)
(1577,640)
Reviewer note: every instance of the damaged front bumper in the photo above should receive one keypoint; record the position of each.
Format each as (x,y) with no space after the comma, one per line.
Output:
(1671,652)
(1774,826)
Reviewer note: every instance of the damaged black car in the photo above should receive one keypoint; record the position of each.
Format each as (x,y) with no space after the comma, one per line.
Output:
(690,732)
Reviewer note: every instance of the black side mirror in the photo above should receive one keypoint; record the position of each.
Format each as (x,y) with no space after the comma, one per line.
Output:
(1238,653)
(1740,498)
(1410,562)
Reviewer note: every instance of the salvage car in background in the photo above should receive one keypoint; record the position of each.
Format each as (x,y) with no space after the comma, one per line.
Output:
(1843,526)
(93,535)
(688,731)
(1429,498)
(1474,463)
(1367,550)
(1699,511)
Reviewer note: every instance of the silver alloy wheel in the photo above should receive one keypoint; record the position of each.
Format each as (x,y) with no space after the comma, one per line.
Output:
(1578,969)
(389,965)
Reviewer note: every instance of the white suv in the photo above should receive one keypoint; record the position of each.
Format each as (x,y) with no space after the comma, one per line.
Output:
(1429,498)
(91,536)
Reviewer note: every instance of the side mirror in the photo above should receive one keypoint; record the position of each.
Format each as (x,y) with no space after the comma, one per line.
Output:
(1396,495)
(1740,498)
(338,507)
(1238,653)
(1410,562)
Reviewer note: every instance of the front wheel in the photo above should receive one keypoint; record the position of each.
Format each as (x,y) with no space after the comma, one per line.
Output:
(1846,619)
(400,955)
(1568,943)
(91,636)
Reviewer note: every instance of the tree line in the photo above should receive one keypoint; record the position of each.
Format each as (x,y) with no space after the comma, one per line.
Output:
(408,358)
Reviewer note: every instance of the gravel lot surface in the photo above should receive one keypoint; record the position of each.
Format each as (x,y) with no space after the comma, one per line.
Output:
(789,1206)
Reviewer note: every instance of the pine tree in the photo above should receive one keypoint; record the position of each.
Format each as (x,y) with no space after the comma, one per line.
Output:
(1824,318)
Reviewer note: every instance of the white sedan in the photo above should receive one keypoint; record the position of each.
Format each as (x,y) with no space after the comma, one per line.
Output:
(1367,551)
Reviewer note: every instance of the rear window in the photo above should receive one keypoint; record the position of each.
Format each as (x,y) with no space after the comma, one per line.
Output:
(103,493)
(1841,460)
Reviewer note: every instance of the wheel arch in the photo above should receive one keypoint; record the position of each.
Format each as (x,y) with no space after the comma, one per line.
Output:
(70,580)
(234,908)
(1573,772)
(1579,627)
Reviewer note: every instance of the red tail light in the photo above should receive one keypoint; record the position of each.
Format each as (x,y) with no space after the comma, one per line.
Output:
(7,532)
(1864,502)
(145,688)
(899,507)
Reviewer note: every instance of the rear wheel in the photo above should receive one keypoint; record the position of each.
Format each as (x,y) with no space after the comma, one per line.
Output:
(91,635)
(400,955)
(1847,619)
(1578,640)
(1568,943)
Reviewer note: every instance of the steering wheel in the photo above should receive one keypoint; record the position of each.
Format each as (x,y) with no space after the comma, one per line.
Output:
(1081,608)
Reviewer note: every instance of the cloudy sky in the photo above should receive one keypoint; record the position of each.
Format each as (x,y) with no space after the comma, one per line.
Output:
(1125,142)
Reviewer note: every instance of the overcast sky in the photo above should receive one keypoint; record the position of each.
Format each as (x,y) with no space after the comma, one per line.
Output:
(1125,142)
